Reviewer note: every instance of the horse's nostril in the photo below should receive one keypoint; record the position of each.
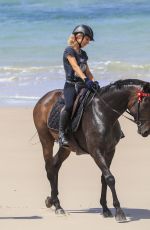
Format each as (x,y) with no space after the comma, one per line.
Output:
(138,123)
(145,134)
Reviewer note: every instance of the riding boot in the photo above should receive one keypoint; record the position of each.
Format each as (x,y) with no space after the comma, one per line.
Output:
(64,117)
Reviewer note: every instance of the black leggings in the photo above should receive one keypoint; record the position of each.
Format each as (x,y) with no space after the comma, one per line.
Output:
(70,96)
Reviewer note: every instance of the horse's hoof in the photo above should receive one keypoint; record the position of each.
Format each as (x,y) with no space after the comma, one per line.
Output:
(107,213)
(48,202)
(60,211)
(120,216)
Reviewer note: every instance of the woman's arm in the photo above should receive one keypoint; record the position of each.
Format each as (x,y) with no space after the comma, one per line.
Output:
(89,74)
(76,67)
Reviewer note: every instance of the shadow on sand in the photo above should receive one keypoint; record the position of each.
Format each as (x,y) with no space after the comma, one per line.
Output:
(131,213)
(20,217)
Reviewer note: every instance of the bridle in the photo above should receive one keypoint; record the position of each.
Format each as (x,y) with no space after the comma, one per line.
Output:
(140,96)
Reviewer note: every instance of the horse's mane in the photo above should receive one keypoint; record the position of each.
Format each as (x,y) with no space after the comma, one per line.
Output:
(119,84)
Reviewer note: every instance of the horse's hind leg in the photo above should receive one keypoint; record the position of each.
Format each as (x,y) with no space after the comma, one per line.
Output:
(47,142)
(58,159)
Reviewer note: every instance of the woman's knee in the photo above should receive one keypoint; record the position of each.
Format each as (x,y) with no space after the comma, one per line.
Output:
(68,109)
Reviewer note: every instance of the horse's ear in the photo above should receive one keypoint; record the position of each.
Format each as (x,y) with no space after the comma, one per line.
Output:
(146,87)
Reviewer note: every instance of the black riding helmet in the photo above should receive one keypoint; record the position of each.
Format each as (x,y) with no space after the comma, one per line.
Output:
(85,30)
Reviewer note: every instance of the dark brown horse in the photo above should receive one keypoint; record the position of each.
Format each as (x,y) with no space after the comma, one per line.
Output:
(98,133)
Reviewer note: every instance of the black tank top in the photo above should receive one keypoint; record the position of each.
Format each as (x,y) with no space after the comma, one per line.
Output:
(81,59)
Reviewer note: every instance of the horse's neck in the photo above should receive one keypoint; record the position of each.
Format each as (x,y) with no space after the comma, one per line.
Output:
(111,104)
(116,100)
(121,98)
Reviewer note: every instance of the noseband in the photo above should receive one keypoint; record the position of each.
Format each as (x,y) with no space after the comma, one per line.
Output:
(140,96)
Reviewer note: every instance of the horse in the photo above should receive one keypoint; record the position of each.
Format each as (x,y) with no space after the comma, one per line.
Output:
(98,134)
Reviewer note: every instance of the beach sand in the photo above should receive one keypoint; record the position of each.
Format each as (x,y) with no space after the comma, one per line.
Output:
(24,185)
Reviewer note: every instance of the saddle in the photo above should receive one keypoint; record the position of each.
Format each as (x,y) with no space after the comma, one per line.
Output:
(77,112)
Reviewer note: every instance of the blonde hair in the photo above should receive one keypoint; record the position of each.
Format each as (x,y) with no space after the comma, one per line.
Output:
(72,39)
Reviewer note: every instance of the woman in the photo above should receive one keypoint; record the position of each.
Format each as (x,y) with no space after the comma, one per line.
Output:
(77,70)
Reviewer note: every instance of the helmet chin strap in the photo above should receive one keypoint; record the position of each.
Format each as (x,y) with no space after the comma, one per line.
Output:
(80,42)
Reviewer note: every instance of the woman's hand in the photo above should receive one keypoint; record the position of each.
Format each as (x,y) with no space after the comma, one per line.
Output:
(92,85)
(89,83)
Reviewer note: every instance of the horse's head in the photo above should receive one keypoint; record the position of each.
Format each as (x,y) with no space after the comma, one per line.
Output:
(140,110)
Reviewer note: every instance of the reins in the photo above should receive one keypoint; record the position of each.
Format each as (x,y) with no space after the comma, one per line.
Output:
(120,114)
(140,96)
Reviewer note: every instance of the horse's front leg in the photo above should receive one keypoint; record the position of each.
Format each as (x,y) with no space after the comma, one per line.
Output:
(110,181)
(103,200)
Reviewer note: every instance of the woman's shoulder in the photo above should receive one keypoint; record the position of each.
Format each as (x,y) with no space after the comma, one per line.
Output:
(69,48)
(69,51)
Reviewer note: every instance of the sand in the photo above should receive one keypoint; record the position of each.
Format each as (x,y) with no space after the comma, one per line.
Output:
(24,185)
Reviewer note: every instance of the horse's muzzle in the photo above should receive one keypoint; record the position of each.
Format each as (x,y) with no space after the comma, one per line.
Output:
(144,132)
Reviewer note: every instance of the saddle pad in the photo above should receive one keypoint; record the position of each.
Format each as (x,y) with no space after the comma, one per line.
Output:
(54,116)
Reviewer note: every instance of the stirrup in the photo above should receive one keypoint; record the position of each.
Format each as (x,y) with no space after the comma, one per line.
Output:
(63,142)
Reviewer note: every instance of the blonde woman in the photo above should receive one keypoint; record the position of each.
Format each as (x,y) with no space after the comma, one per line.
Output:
(77,70)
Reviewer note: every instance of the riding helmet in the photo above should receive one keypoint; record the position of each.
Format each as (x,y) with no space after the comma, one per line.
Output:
(85,30)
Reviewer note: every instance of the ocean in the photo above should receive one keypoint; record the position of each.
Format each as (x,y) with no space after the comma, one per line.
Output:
(33,35)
